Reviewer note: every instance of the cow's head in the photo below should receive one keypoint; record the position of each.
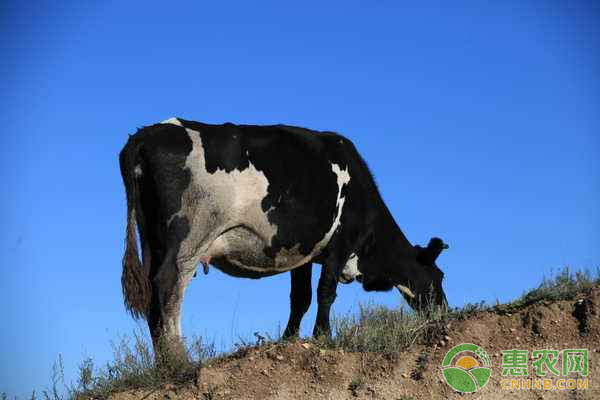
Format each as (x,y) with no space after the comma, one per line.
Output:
(412,271)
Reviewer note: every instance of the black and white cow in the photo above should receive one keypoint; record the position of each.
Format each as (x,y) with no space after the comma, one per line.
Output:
(255,201)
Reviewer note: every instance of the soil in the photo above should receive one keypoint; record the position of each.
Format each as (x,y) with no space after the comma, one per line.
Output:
(302,370)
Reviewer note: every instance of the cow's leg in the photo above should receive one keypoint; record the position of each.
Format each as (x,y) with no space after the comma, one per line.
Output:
(326,294)
(300,298)
(168,285)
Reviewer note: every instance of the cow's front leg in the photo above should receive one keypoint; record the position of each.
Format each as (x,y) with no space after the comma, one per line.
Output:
(164,319)
(300,298)
(326,294)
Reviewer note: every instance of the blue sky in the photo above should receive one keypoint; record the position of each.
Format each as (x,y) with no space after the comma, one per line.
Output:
(479,121)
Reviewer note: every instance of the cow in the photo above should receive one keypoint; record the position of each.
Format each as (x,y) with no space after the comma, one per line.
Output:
(255,201)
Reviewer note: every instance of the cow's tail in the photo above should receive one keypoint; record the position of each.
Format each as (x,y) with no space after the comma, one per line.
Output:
(135,280)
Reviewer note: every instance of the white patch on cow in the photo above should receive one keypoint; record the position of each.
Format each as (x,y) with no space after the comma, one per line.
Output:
(173,121)
(350,271)
(215,203)
(234,196)
(137,171)
(406,291)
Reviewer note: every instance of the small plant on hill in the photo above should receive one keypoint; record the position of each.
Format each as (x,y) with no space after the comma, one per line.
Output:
(422,363)
(356,385)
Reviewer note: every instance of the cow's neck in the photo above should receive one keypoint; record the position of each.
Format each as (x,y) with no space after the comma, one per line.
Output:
(391,236)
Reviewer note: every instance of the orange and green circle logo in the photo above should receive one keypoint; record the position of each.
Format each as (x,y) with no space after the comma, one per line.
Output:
(467,368)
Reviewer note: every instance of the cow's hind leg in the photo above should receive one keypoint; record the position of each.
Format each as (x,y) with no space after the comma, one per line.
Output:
(300,298)
(169,281)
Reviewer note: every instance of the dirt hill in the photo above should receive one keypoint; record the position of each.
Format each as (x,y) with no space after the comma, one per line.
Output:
(306,370)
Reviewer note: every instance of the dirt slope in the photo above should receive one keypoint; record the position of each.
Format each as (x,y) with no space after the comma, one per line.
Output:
(301,370)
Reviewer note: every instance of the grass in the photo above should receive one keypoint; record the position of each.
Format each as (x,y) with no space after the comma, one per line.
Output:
(378,329)
(565,285)
(374,329)
(132,367)
(382,330)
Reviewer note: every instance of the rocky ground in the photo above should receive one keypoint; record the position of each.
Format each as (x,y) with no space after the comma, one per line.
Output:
(305,370)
